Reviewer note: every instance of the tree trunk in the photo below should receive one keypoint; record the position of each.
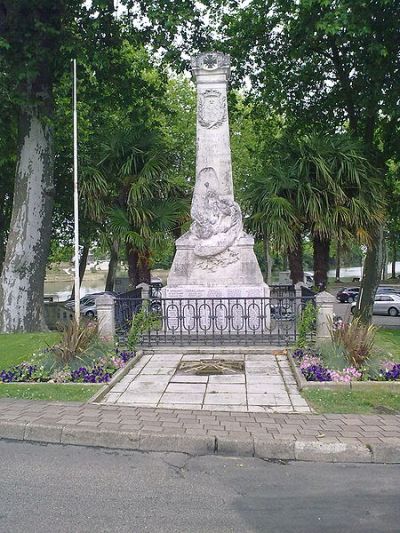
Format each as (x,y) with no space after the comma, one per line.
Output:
(295,258)
(24,268)
(112,266)
(394,258)
(144,272)
(338,260)
(267,258)
(371,276)
(321,261)
(138,266)
(82,267)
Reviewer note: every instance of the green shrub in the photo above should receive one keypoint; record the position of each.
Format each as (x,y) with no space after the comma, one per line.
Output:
(75,341)
(306,325)
(333,355)
(356,339)
(144,321)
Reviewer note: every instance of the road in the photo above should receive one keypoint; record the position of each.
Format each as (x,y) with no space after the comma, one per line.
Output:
(50,488)
(343,310)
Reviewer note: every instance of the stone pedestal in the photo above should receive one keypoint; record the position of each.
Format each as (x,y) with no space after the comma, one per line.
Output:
(215,258)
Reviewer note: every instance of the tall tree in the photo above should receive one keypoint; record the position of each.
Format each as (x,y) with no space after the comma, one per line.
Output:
(319,186)
(32,34)
(324,65)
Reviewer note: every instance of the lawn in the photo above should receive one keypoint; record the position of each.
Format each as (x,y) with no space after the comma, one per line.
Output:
(388,340)
(18,347)
(342,401)
(48,391)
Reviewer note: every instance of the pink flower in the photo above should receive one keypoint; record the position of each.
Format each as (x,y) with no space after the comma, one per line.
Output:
(346,375)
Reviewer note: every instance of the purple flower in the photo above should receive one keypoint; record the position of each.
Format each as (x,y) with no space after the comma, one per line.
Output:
(393,374)
(316,373)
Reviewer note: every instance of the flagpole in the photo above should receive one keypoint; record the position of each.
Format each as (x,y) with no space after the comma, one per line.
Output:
(76,205)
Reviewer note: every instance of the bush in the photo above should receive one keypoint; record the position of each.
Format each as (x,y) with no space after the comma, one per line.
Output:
(75,340)
(143,321)
(356,339)
(306,325)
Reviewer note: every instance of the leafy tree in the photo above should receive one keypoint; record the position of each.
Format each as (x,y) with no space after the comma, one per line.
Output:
(324,65)
(32,35)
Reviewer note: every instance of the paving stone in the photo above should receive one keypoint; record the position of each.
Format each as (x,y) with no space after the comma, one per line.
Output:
(223,407)
(228,379)
(226,387)
(137,397)
(186,387)
(188,379)
(186,397)
(225,398)
(191,406)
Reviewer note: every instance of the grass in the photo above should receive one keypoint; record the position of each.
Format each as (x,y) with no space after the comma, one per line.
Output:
(18,347)
(388,341)
(362,402)
(48,391)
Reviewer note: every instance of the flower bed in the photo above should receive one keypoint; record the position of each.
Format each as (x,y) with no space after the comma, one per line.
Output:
(311,370)
(91,370)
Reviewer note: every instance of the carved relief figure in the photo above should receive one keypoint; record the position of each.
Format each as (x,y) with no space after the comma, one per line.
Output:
(217,219)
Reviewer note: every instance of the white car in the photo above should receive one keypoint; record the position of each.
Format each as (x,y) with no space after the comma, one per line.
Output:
(384,304)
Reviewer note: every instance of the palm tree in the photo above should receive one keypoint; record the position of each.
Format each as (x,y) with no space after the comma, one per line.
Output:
(138,195)
(320,186)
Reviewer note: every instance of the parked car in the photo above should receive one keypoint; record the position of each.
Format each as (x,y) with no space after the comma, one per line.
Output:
(384,289)
(88,303)
(384,304)
(348,295)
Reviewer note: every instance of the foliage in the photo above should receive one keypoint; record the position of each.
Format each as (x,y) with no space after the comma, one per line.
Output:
(306,325)
(144,321)
(333,355)
(356,339)
(91,368)
(75,341)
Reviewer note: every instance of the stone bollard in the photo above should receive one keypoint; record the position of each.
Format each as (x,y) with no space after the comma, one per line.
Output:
(105,317)
(324,301)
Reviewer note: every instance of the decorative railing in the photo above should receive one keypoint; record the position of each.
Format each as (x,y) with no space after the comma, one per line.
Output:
(215,321)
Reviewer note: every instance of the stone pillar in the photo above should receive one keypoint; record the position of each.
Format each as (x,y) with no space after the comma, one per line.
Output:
(145,287)
(324,301)
(211,73)
(105,317)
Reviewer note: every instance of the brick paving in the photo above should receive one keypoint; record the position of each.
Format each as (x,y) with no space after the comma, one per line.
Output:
(336,428)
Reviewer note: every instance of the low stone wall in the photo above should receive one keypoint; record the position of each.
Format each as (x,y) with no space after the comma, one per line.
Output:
(56,313)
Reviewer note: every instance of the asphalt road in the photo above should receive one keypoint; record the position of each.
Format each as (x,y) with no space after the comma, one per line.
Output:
(343,310)
(50,488)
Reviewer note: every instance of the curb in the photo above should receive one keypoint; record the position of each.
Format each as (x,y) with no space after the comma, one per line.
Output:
(266,449)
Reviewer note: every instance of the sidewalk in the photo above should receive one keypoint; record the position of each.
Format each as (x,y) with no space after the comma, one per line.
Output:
(271,436)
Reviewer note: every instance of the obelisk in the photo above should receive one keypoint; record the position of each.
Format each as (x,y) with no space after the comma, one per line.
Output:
(215,258)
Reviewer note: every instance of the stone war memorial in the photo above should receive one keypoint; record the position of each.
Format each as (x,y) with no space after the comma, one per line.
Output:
(215,259)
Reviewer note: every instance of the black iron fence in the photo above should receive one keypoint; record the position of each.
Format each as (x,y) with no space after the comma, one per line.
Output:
(214,321)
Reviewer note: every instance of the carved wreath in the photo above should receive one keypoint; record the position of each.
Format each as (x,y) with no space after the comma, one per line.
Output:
(221,109)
